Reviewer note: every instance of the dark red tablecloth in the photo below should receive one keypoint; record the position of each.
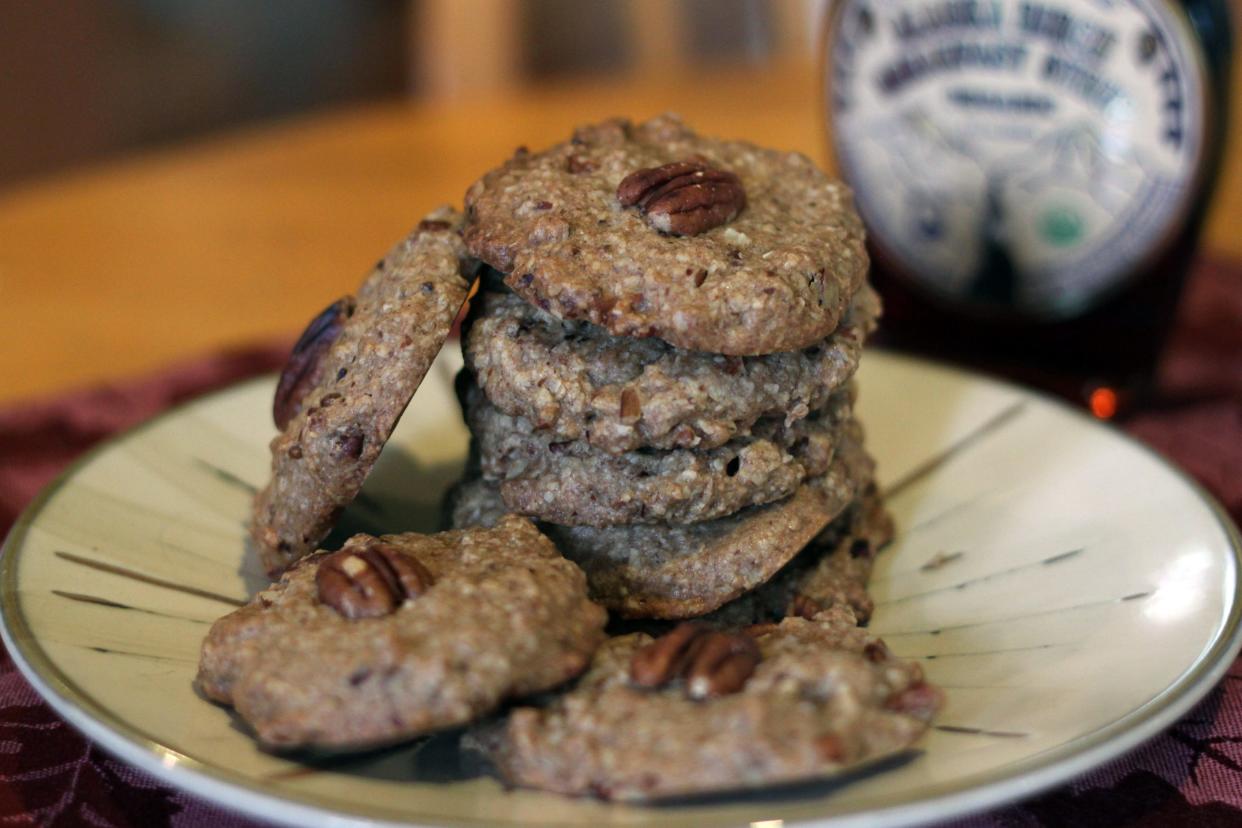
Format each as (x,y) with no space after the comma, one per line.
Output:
(1191,775)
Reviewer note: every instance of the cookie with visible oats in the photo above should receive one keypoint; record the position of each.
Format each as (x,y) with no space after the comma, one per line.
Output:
(392,637)
(574,381)
(782,703)
(574,484)
(349,378)
(832,571)
(666,571)
(653,230)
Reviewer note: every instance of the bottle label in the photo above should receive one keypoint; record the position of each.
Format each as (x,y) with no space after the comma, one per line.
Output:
(1013,153)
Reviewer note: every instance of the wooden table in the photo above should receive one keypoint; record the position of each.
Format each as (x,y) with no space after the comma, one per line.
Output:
(115,270)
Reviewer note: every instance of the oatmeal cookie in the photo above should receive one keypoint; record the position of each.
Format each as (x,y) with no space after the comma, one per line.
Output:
(653,230)
(352,374)
(663,571)
(832,571)
(396,636)
(573,484)
(700,711)
(574,381)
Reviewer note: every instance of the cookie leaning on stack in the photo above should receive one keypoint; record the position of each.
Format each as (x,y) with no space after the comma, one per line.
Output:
(659,369)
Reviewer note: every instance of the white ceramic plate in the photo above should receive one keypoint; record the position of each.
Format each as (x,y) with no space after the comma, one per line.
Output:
(1071,592)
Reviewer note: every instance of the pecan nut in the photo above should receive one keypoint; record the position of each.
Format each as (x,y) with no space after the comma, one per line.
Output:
(713,663)
(631,408)
(920,700)
(665,658)
(831,748)
(302,372)
(370,581)
(684,198)
(803,606)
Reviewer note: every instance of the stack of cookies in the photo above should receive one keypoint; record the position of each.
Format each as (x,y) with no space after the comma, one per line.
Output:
(658,370)
(654,583)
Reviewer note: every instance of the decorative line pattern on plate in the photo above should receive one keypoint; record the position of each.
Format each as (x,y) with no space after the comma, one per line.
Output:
(1022,617)
(979,731)
(150,656)
(227,476)
(148,579)
(935,562)
(989,426)
(1059,557)
(956,509)
(107,602)
(934,656)
(940,560)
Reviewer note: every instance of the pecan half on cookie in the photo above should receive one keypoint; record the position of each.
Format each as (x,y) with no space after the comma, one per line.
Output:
(370,579)
(684,198)
(777,277)
(356,648)
(713,663)
(304,369)
(823,696)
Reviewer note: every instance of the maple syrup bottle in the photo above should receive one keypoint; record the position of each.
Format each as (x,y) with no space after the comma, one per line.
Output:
(1033,175)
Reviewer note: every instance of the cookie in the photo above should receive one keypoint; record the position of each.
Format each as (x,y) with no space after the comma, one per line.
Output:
(352,374)
(699,711)
(652,230)
(573,484)
(396,636)
(662,571)
(832,571)
(574,381)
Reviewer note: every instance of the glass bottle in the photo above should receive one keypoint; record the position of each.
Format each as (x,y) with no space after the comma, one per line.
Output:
(1033,175)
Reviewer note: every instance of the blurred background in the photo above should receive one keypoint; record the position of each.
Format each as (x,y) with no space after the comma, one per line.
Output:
(89,79)
(183,178)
